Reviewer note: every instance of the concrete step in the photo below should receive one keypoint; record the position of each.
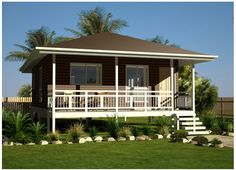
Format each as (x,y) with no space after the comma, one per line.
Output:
(190,123)
(197,128)
(188,118)
(198,133)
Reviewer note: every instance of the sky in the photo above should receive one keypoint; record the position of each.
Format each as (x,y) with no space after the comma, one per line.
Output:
(202,27)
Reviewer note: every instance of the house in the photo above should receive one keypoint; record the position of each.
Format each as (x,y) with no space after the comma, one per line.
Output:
(109,74)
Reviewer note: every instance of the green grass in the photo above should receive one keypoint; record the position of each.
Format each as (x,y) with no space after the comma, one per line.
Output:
(132,154)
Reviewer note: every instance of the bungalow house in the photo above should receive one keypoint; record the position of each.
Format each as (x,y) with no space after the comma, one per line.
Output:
(108,74)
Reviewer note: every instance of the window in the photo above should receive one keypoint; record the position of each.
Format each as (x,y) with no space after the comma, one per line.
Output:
(85,73)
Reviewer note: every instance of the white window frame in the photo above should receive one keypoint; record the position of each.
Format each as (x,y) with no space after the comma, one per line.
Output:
(98,74)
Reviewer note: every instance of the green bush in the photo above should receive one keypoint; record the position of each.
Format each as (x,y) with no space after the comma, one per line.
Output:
(163,121)
(147,130)
(75,131)
(37,131)
(201,140)
(215,142)
(125,132)
(211,122)
(93,131)
(136,131)
(225,125)
(178,135)
(16,125)
(113,127)
(164,131)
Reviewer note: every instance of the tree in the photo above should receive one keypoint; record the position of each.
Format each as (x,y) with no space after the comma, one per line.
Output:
(96,21)
(38,37)
(25,91)
(205,93)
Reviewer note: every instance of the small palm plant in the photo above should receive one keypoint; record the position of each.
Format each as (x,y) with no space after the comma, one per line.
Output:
(37,131)
(93,131)
(75,131)
(113,126)
(16,126)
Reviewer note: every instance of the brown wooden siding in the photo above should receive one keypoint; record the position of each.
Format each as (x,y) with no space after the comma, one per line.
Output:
(108,73)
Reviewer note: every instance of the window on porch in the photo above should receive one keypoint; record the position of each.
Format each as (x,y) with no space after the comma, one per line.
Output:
(83,73)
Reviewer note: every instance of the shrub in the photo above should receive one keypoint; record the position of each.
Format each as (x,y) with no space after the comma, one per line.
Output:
(16,126)
(53,136)
(201,140)
(147,130)
(215,142)
(163,121)
(164,131)
(36,130)
(113,126)
(93,131)
(225,125)
(216,128)
(125,132)
(75,131)
(209,119)
(178,135)
(136,131)
(230,127)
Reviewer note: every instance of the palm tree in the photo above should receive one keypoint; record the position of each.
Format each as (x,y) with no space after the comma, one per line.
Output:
(96,21)
(163,41)
(38,37)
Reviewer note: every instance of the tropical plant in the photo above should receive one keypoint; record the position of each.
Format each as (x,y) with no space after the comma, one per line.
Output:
(208,119)
(93,131)
(163,41)
(5,118)
(75,131)
(37,131)
(113,126)
(16,127)
(96,21)
(25,91)
(125,132)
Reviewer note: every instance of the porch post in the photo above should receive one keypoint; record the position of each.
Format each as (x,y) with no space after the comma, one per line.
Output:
(193,97)
(116,82)
(53,92)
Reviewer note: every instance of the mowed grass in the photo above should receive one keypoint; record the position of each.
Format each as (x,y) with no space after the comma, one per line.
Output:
(130,154)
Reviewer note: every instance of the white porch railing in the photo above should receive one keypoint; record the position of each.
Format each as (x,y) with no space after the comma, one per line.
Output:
(100,100)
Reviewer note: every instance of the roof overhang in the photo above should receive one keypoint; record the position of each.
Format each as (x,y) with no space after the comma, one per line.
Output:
(40,52)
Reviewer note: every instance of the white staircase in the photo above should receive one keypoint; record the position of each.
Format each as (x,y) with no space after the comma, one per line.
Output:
(192,125)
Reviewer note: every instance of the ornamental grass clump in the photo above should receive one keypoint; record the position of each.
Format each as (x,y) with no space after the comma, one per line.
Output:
(93,131)
(113,127)
(136,131)
(125,132)
(75,131)
(53,136)
(164,131)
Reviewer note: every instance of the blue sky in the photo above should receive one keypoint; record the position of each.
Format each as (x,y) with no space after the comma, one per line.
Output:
(202,27)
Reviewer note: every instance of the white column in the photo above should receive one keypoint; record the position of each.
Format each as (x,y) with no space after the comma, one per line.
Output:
(193,97)
(116,82)
(172,83)
(53,91)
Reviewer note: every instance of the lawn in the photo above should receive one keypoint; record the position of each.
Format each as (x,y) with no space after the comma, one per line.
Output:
(130,154)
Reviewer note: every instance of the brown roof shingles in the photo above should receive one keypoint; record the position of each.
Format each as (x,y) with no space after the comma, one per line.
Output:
(112,41)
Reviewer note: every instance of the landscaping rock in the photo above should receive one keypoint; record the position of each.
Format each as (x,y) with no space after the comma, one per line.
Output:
(18,144)
(57,142)
(140,138)
(184,140)
(224,133)
(43,142)
(194,142)
(31,143)
(120,139)
(4,139)
(6,143)
(97,138)
(111,139)
(168,136)
(231,134)
(189,140)
(131,138)
(82,140)
(88,139)
(11,144)
(69,143)
(219,145)
(158,136)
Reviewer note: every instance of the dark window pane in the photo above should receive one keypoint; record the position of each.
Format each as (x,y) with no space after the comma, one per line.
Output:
(91,75)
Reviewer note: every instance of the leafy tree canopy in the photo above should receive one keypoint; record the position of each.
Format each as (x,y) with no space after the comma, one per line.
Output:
(25,91)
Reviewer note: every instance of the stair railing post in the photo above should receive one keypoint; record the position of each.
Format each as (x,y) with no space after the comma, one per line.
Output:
(193,98)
